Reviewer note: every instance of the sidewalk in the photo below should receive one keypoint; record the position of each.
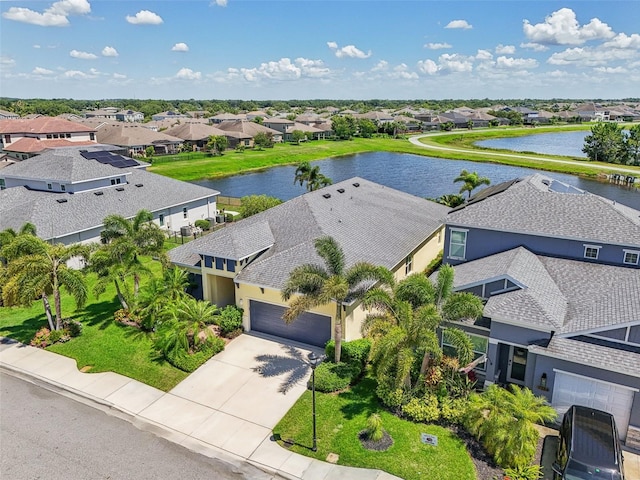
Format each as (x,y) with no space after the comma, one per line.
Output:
(177,416)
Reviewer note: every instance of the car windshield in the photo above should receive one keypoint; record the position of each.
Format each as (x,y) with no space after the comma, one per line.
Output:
(580,471)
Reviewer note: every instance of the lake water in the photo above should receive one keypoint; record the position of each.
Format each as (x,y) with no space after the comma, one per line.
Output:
(565,143)
(414,174)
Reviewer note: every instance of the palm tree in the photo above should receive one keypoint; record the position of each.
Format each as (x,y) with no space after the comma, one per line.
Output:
(158,294)
(450,200)
(322,284)
(39,269)
(314,180)
(405,322)
(503,420)
(471,181)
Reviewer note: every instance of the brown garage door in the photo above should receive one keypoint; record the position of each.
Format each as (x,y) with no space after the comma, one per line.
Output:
(309,328)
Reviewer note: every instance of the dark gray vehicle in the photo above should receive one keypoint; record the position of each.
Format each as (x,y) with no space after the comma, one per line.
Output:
(589,447)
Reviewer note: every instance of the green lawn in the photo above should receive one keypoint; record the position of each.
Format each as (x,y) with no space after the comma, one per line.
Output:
(104,346)
(340,417)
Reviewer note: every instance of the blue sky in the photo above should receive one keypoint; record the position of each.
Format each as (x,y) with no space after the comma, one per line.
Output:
(331,49)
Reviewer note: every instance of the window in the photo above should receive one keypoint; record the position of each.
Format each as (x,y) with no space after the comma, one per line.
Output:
(591,251)
(67,135)
(7,139)
(92,136)
(480,347)
(231,265)
(219,263)
(63,188)
(3,185)
(113,181)
(408,264)
(161,219)
(631,257)
(49,186)
(184,212)
(458,243)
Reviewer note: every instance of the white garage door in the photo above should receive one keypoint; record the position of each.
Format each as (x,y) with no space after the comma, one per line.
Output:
(571,389)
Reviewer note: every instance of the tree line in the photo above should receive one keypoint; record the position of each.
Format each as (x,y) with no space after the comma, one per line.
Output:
(609,142)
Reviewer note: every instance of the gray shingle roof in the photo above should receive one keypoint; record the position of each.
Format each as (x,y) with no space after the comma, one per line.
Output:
(84,210)
(597,356)
(371,222)
(566,296)
(531,206)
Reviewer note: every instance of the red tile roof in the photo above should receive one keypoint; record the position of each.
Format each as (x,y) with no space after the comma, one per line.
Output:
(33,145)
(42,125)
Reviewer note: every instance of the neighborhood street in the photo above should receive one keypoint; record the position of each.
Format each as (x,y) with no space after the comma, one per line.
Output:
(46,435)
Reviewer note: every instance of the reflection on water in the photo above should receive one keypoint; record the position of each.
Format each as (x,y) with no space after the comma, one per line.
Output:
(414,174)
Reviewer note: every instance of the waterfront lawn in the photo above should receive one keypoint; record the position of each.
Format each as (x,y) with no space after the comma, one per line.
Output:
(104,346)
(340,418)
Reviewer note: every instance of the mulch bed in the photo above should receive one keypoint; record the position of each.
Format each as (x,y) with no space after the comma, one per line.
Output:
(486,469)
(380,446)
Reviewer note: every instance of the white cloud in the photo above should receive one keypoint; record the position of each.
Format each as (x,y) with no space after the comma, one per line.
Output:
(36,46)
(402,72)
(428,67)
(109,52)
(590,57)
(610,70)
(41,71)
(74,74)
(7,62)
(463,24)
(380,66)
(219,3)
(624,41)
(536,47)
(455,63)
(188,74)
(54,16)
(437,46)
(180,47)
(516,63)
(562,28)
(119,76)
(144,17)
(83,55)
(505,49)
(484,55)
(282,70)
(350,51)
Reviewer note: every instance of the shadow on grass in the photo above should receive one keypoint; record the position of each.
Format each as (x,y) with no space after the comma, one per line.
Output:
(293,362)
(361,399)
(24,331)
(99,314)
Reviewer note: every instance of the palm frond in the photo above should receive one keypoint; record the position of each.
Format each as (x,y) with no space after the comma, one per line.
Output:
(330,251)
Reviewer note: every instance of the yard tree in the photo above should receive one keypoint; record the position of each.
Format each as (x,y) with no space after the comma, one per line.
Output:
(633,144)
(606,143)
(311,176)
(263,140)
(38,269)
(366,127)
(311,285)
(298,136)
(217,144)
(252,204)
(471,181)
(344,126)
(149,151)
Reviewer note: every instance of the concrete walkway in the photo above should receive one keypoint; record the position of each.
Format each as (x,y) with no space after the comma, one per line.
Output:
(225,409)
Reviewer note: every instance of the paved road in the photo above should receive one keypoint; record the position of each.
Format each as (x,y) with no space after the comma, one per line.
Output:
(44,435)
(416,141)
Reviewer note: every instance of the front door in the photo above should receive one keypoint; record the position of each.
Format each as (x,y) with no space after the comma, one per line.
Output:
(517,365)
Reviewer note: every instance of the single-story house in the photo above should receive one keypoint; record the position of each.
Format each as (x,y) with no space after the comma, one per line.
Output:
(248,263)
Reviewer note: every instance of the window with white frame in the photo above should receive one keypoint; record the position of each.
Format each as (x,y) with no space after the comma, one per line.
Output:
(631,257)
(480,347)
(591,251)
(184,212)
(457,243)
(161,219)
(408,264)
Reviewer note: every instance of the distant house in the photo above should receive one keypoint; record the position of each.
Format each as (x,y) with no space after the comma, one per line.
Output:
(196,133)
(169,115)
(559,269)
(137,138)
(67,193)
(247,263)
(5,115)
(24,138)
(113,113)
(226,117)
(249,128)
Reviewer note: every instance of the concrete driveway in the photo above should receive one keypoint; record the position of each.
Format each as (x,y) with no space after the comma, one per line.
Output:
(236,398)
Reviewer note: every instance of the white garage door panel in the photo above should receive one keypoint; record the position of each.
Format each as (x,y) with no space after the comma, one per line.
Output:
(570,389)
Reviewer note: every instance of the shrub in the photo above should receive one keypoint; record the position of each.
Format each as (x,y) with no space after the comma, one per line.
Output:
(41,338)
(333,377)
(453,410)
(56,336)
(190,362)
(72,327)
(203,224)
(355,351)
(422,409)
(374,427)
(230,320)
(434,264)
(530,472)
(389,396)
